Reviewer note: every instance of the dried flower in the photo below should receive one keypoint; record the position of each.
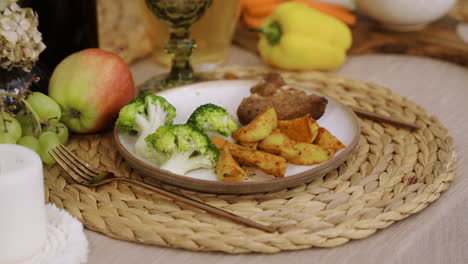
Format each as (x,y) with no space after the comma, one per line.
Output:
(20,40)
(6,3)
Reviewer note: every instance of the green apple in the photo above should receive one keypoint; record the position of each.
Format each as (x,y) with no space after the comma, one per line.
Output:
(91,86)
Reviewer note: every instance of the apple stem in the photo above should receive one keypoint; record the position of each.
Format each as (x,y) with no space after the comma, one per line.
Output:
(37,129)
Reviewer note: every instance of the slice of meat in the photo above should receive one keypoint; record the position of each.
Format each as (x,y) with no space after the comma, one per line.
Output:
(269,86)
(251,106)
(289,103)
(294,104)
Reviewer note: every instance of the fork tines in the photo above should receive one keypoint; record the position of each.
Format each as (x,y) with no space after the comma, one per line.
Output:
(76,168)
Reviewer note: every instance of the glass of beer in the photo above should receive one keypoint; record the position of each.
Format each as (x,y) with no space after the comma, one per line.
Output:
(179,15)
(212,33)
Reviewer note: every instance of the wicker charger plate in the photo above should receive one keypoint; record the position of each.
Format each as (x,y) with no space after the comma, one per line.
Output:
(392,174)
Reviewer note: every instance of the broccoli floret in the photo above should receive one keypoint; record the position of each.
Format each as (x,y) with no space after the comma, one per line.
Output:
(213,118)
(184,148)
(144,115)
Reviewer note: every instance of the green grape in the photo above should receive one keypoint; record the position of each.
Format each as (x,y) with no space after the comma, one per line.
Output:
(44,106)
(26,121)
(60,129)
(13,127)
(30,142)
(47,141)
(7,139)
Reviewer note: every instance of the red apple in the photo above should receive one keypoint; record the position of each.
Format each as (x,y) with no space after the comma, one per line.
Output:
(91,86)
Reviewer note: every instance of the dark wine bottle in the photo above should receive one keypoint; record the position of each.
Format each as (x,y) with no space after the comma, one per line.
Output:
(67,26)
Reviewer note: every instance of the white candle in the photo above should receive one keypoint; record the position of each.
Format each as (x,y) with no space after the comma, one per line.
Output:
(22,209)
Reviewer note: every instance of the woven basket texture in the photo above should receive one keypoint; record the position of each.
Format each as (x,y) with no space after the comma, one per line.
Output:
(392,174)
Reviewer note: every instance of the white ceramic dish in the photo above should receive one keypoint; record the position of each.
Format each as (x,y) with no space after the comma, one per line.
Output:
(405,15)
(338,119)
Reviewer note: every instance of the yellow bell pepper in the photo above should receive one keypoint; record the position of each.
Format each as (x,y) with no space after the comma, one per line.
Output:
(297,37)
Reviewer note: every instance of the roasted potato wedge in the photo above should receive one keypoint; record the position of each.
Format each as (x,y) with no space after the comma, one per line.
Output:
(278,143)
(249,145)
(227,168)
(269,163)
(259,128)
(303,129)
(220,143)
(328,141)
(310,154)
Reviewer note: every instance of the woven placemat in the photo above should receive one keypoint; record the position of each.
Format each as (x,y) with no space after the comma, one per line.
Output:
(392,174)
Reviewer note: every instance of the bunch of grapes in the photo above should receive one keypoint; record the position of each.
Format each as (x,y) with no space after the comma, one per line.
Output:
(37,126)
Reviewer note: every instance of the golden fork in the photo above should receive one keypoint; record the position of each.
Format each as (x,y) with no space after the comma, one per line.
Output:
(85,174)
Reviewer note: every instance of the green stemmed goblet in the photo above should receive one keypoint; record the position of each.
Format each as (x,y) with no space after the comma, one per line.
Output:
(179,15)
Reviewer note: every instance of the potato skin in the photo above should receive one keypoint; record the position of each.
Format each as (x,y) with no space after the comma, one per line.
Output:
(249,145)
(303,129)
(279,144)
(310,154)
(269,163)
(326,140)
(259,128)
(220,143)
(227,169)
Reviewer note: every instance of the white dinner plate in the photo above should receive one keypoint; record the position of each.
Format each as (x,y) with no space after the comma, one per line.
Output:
(338,119)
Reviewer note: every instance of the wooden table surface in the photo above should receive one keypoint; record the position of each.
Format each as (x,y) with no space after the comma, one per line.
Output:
(438,234)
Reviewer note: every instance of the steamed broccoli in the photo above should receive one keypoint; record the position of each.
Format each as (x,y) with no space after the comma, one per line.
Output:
(183,148)
(144,115)
(213,118)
